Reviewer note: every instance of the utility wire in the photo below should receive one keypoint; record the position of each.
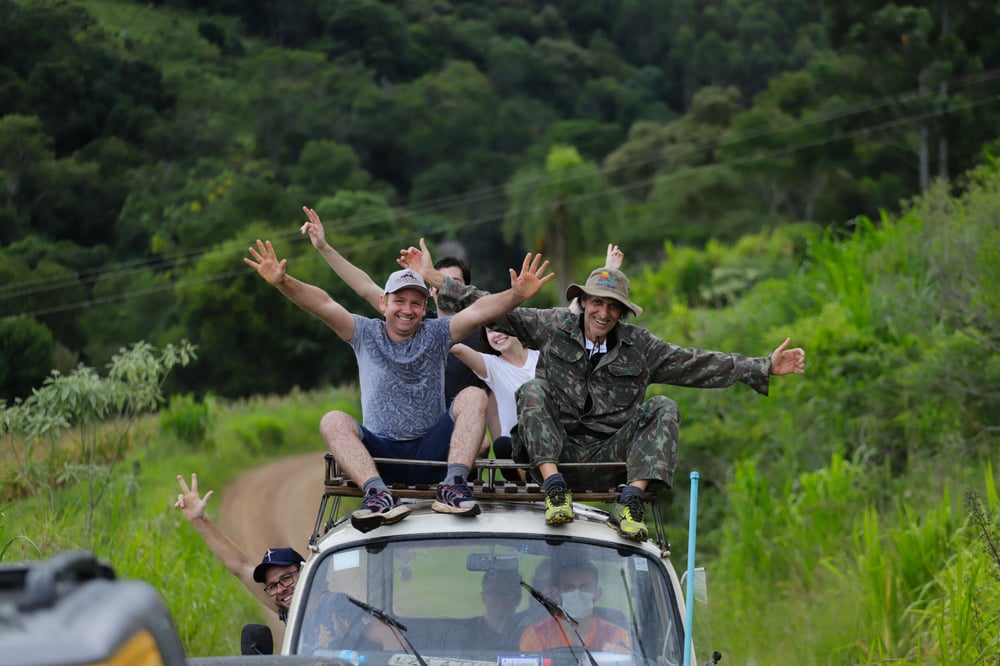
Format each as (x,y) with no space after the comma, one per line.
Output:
(496,192)
(28,288)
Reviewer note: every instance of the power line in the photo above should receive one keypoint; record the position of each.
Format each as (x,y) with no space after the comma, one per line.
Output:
(444,204)
(29,288)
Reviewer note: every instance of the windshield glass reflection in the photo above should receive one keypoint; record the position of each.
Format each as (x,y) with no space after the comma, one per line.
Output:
(517,602)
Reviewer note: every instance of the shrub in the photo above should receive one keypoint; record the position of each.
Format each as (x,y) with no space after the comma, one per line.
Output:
(188,420)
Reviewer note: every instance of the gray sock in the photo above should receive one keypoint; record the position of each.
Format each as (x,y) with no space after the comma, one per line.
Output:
(377,483)
(456,469)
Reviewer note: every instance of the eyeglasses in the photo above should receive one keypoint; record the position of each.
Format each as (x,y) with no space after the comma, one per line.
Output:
(285,581)
(508,593)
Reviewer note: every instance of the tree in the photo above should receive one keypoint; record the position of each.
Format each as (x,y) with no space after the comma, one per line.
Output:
(931,57)
(24,145)
(99,414)
(374,31)
(326,166)
(25,356)
(561,210)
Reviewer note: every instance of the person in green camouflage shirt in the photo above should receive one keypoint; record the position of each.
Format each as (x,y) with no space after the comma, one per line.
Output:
(587,400)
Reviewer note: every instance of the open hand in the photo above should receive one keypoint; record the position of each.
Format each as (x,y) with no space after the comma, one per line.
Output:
(527,283)
(416,259)
(266,263)
(786,361)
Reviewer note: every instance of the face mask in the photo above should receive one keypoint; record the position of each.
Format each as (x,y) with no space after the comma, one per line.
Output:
(577,603)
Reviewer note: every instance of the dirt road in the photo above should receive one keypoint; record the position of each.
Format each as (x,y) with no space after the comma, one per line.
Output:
(274,505)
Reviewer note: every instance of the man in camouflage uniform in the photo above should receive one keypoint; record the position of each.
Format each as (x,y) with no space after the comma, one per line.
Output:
(587,401)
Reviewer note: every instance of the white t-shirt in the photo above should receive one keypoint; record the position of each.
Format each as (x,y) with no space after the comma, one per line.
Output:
(505,378)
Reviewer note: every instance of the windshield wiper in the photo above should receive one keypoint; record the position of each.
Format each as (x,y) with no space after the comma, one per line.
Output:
(398,627)
(556,611)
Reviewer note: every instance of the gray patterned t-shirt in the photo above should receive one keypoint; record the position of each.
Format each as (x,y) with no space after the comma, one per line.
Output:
(402,383)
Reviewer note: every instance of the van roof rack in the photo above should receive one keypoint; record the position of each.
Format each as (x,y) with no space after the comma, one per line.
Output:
(489,485)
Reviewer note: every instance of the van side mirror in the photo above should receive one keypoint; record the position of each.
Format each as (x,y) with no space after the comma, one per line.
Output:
(256,639)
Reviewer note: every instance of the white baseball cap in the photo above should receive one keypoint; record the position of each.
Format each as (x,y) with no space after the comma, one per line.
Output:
(406,279)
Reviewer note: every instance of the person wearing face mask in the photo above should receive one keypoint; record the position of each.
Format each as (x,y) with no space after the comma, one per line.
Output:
(578,592)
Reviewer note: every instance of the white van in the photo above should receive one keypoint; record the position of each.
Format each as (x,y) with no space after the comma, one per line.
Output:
(416,592)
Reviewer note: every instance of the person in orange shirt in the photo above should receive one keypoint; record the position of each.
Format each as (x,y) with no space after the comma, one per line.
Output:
(578,592)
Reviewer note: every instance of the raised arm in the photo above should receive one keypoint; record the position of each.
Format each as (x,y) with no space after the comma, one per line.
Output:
(309,297)
(419,259)
(523,286)
(353,277)
(613,260)
(192,505)
(470,357)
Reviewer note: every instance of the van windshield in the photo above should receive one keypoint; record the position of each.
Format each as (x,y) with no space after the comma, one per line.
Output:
(509,602)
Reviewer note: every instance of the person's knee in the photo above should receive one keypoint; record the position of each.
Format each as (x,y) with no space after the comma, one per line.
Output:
(662,408)
(531,391)
(336,423)
(470,400)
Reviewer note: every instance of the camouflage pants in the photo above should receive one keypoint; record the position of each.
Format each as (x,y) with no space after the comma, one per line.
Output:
(647,442)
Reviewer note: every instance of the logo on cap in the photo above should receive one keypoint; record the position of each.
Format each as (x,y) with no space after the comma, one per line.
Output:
(605,279)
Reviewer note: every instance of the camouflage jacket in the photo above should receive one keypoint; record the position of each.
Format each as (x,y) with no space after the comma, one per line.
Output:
(605,397)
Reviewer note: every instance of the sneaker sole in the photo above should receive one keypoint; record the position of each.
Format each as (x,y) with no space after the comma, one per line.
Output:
(467,508)
(366,522)
(396,514)
(559,519)
(638,535)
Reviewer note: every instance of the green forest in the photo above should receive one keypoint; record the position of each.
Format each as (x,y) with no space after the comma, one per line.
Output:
(824,171)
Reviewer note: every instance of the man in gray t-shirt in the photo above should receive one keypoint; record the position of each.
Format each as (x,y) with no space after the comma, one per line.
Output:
(401,361)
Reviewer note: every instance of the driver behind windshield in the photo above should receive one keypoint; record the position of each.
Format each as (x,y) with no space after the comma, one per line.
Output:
(578,592)
(501,594)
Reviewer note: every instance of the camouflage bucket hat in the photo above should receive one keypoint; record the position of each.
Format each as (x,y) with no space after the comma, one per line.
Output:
(606,283)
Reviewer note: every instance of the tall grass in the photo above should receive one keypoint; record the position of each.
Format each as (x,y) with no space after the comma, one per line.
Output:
(812,573)
(140,532)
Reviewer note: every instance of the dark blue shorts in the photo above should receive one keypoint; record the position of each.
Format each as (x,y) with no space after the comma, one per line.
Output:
(433,445)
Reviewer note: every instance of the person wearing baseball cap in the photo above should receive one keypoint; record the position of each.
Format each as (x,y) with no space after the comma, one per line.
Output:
(587,401)
(272,581)
(401,370)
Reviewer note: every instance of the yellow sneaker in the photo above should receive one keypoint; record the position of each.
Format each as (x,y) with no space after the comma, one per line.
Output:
(558,506)
(627,519)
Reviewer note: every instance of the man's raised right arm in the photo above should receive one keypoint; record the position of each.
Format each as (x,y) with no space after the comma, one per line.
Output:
(309,297)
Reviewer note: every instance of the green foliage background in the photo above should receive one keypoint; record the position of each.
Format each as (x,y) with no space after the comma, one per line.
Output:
(847,518)
(144,146)
(823,171)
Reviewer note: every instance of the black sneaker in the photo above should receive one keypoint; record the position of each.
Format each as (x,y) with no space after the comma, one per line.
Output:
(558,506)
(456,498)
(379,508)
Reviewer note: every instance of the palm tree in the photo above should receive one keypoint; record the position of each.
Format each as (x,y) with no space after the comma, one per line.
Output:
(560,210)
